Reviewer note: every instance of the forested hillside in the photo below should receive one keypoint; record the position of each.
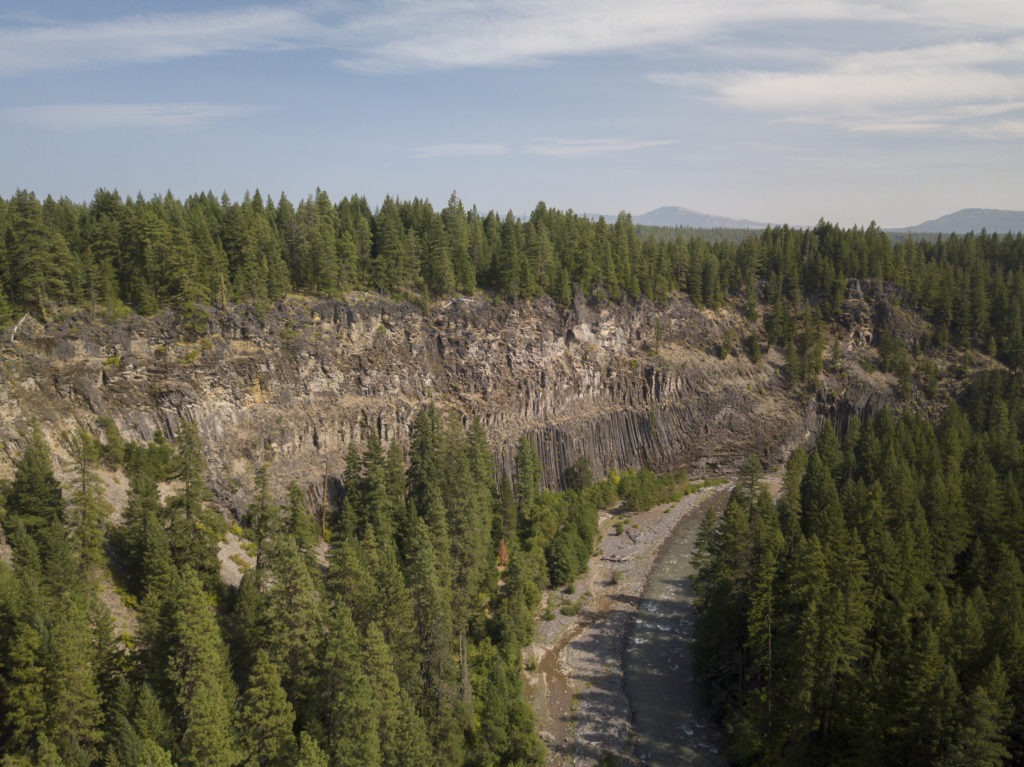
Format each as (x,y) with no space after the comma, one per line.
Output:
(875,614)
(120,254)
(394,641)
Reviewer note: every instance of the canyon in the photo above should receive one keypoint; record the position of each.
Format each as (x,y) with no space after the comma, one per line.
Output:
(291,385)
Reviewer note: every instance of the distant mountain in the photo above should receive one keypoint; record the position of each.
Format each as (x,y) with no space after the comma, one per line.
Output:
(972,220)
(675,216)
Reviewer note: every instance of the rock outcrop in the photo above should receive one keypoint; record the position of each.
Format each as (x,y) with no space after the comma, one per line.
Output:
(292,385)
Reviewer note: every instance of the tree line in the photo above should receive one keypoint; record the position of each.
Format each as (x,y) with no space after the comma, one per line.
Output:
(133,254)
(874,614)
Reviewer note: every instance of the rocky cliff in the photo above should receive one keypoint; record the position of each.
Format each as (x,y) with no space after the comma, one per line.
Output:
(292,385)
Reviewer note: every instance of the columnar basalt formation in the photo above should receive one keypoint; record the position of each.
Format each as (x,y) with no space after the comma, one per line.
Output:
(290,386)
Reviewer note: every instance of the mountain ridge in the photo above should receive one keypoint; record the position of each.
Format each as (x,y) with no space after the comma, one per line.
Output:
(992,220)
(970,220)
(674,215)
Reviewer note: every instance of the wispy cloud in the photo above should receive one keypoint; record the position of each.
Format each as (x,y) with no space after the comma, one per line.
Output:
(964,82)
(460,150)
(999,129)
(914,90)
(590,147)
(968,19)
(417,34)
(155,37)
(402,35)
(937,74)
(79,117)
(556,148)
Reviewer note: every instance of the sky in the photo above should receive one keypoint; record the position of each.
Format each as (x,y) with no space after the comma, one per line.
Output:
(854,111)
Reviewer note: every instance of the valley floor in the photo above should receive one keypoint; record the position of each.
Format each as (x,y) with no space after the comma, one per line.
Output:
(575,665)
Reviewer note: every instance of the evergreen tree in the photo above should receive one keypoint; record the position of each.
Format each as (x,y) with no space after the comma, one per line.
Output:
(87,509)
(527,482)
(24,687)
(142,513)
(192,527)
(403,735)
(310,753)
(350,721)
(982,738)
(74,707)
(267,718)
(35,498)
(434,644)
(197,668)
(292,619)
(35,254)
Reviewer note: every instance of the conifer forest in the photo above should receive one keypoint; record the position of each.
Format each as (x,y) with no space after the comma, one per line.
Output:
(870,612)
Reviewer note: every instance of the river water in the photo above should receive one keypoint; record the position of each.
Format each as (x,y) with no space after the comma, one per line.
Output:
(671,725)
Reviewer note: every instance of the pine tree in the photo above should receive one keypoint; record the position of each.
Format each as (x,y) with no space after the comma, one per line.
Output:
(35,254)
(87,508)
(150,721)
(457,233)
(432,602)
(396,615)
(469,509)
(298,522)
(204,693)
(350,722)
(527,483)
(266,718)
(438,271)
(503,731)
(74,708)
(310,753)
(142,511)
(35,498)
(264,516)
(24,687)
(349,578)
(191,525)
(982,738)
(373,501)
(292,619)
(403,735)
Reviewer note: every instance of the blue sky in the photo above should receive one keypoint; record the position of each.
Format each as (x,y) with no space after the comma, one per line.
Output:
(895,111)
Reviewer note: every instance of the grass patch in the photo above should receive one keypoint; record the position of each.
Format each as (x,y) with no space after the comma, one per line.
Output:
(571,608)
(242,562)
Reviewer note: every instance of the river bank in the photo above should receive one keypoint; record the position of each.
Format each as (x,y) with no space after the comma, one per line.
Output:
(574,673)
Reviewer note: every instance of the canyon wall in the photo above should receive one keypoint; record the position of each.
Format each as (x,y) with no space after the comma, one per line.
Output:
(290,386)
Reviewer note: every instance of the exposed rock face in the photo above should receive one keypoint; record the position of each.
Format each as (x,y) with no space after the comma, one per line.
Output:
(293,385)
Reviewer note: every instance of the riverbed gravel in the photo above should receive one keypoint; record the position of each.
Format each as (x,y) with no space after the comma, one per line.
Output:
(574,667)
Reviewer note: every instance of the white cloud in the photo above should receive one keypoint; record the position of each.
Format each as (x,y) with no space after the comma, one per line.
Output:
(948,87)
(1000,129)
(842,91)
(155,37)
(564,148)
(397,35)
(460,150)
(78,117)
(589,147)
(422,34)
(968,18)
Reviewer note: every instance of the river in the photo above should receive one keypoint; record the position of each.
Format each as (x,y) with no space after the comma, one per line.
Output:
(671,725)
